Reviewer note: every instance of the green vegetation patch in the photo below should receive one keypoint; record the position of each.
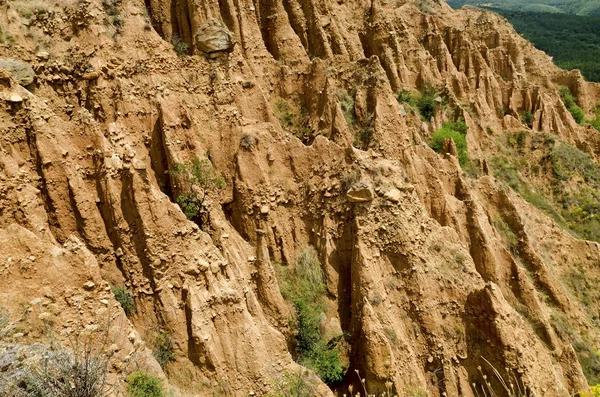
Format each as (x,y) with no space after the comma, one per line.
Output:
(571,104)
(142,384)
(164,350)
(455,131)
(125,299)
(304,287)
(199,178)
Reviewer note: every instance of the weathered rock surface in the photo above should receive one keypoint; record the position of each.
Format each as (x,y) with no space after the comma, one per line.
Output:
(20,71)
(212,36)
(419,279)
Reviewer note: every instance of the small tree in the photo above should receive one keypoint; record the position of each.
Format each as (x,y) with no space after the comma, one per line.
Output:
(198,177)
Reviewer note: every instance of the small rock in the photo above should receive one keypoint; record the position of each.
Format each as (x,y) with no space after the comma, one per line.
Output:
(89,285)
(359,194)
(139,164)
(264,209)
(104,301)
(14,98)
(119,253)
(192,270)
(393,195)
(43,55)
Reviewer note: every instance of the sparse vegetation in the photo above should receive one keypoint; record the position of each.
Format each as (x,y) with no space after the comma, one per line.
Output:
(508,236)
(113,12)
(78,371)
(181,47)
(125,299)
(571,105)
(142,384)
(163,349)
(304,287)
(362,128)
(248,142)
(293,118)
(293,385)
(198,178)
(595,122)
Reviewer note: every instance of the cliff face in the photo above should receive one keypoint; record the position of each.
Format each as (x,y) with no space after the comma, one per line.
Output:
(419,275)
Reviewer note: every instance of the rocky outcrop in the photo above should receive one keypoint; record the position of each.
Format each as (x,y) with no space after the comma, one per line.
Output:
(21,72)
(213,37)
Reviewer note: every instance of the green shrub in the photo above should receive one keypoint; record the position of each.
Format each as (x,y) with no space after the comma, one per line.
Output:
(347,105)
(163,349)
(404,96)
(125,299)
(571,105)
(305,288)
(142,384)
(459,125)
(527,118)
(426,102)
(438,138)
(199,178)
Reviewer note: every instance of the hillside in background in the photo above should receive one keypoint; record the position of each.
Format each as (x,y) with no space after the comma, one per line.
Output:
(574,7)
(572,40)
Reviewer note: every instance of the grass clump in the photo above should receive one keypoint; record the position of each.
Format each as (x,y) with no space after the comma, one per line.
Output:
(293,385)
(181,47)
(163,349)
(293,118)
(198,178)
(125,299)
(304,287)
(571,105)
(455,131)
(142,384)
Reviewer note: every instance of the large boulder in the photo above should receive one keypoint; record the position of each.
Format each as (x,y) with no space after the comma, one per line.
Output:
(21,72)
(212,36)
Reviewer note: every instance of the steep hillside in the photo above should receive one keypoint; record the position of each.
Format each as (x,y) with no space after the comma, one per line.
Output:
(231,191)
